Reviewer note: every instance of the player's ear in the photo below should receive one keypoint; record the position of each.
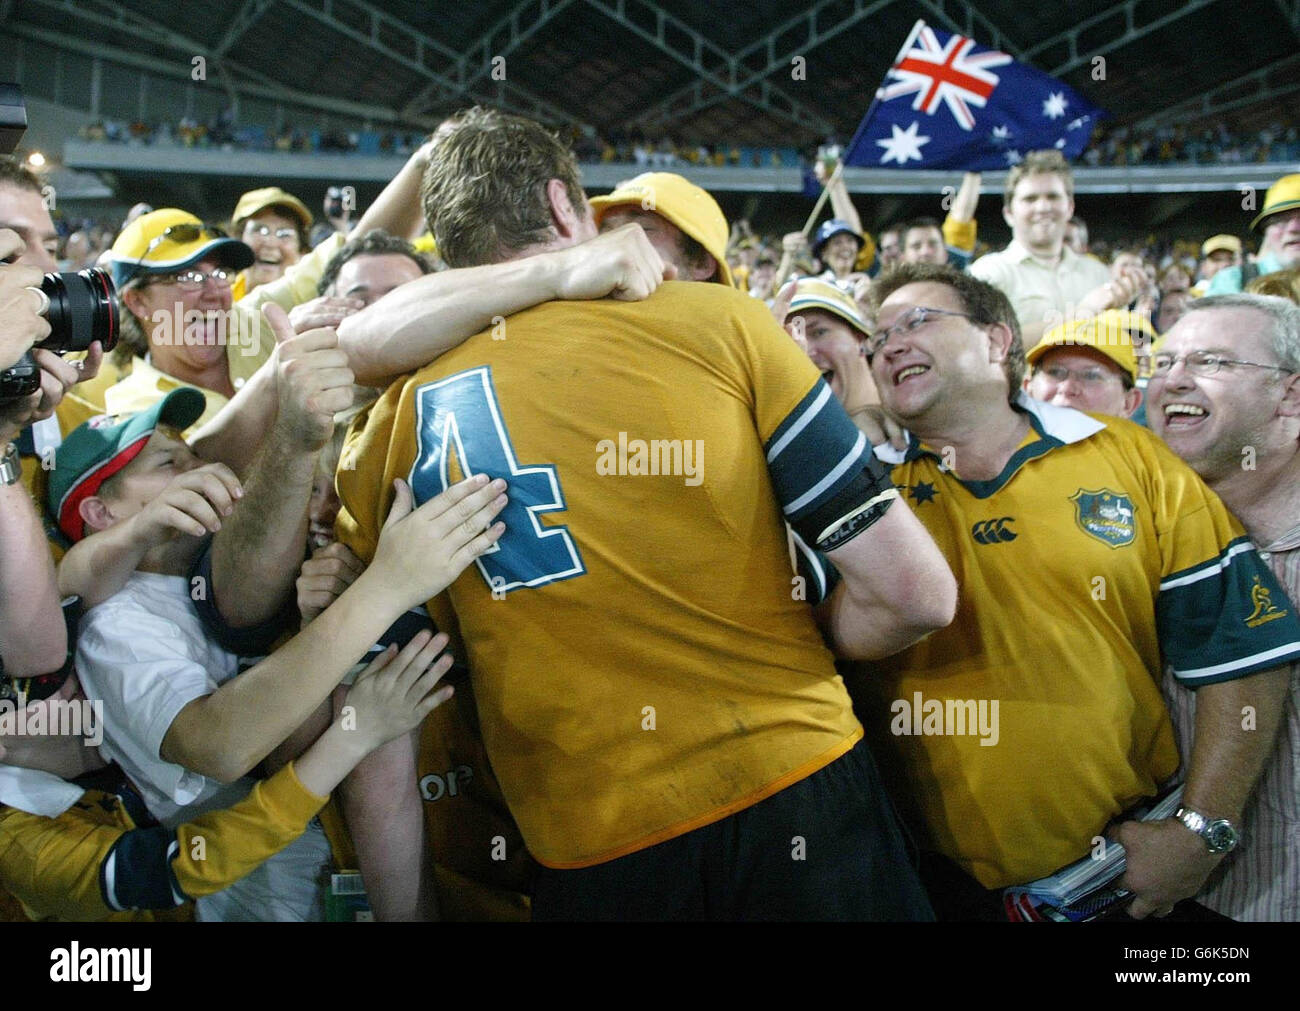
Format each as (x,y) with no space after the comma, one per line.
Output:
(1132,400)
(706,268)
(565,217)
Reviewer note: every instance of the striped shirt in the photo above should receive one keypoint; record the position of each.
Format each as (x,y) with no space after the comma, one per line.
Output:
(1260,880)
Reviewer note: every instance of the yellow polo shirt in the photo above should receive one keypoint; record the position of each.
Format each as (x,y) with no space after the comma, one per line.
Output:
(144,385)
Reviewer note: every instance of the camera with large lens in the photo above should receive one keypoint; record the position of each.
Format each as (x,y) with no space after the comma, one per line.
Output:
(83,309)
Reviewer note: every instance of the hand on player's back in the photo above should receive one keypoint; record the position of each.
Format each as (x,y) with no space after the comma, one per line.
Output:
(421,551)
(397,691)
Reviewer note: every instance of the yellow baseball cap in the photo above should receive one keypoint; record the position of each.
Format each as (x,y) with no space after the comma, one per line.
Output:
(1111,334)
(1216,242)
(1283,195)
(256,201)
(814,293)
(169,240)
(679,201)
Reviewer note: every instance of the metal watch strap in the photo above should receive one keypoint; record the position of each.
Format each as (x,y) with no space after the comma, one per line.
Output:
(11,465)
(1208,829)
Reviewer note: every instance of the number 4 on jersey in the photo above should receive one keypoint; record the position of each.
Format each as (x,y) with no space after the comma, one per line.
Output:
(461,416)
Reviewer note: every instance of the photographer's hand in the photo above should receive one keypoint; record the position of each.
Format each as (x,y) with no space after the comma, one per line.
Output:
(57,377)
(21,325)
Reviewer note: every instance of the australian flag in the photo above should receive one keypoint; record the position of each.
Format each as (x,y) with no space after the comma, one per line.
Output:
(948,103)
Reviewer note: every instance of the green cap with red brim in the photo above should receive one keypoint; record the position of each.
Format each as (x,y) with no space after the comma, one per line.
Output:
(95,451)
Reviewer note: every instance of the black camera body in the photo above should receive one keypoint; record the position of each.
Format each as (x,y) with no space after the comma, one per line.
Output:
(83,309)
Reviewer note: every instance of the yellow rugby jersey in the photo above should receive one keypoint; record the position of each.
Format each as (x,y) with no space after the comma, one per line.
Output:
(640,663)
(1094,554)
(92,860)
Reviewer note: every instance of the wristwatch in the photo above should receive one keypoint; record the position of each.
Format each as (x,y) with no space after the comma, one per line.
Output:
(11,465)
(1219,836)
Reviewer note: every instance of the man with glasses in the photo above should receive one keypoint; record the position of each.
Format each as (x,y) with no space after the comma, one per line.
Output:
(1278,223)
(1225,396)
(1089,557)
(173,274)
(1088,366)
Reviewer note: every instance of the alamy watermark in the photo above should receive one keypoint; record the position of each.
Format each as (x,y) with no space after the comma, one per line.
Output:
(179,326)
(922,717)
(652,458)
(54,718)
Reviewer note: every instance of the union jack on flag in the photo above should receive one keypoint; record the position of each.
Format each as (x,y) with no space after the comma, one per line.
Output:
(963,114)
(945,72)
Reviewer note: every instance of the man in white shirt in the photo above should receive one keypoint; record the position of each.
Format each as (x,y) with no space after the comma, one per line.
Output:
(1225,382)
(1047,282)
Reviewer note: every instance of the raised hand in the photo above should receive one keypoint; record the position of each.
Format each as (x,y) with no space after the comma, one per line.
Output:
(313,382)
(397,691)
(422,551)
(326,311)
(191,504)
(325,575)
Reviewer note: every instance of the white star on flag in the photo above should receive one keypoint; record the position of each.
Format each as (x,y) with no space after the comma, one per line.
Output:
(1077,123)
(1013,158)
(1002,133)
(903,146)
(1054,105)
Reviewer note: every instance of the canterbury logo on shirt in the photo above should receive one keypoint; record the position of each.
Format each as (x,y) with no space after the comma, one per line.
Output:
(994,531)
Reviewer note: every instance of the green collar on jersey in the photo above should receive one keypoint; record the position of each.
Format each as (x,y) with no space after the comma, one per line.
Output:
(1055,426)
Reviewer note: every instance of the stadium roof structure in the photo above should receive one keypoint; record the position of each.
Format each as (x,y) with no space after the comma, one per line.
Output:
(696,72)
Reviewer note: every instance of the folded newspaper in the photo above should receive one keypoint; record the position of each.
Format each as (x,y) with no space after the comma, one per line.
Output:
(1084,889)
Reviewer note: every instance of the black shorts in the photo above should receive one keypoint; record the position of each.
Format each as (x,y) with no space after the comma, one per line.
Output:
(829,847)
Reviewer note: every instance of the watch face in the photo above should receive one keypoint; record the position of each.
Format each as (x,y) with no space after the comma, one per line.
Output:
(1220,835)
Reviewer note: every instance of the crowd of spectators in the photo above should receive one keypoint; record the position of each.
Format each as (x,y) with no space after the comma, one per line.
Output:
(1212,143)
(385,553)
(1113,145)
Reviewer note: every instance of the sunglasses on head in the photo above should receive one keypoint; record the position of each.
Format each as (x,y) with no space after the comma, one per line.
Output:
(185,232)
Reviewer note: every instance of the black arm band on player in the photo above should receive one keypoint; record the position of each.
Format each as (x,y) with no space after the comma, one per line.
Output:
(852,509)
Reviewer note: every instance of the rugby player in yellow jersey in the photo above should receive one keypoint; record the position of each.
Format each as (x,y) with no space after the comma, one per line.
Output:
(1089,556)
(657,705)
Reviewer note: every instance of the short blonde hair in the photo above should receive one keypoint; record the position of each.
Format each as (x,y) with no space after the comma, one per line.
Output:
(1038,163)
(484,191)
